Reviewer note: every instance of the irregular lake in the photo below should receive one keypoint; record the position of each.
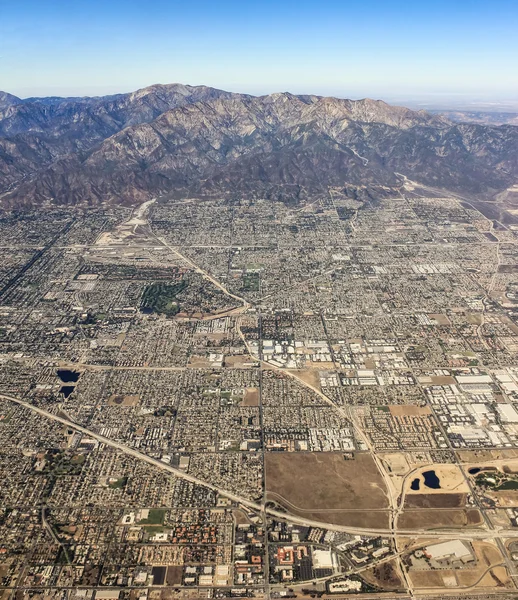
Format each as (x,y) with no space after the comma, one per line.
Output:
(416,484)
(431,480)
(66,390)
(68,376)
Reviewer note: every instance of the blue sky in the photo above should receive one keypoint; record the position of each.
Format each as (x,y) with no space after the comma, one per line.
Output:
(390,48)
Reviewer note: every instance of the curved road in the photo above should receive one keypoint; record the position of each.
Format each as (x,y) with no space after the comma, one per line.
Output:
(442,534)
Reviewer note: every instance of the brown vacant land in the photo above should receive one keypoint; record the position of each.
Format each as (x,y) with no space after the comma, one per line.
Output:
(239,361)
(427,579)
(384,576)
(251,397)
(120,400)
(409,410)
(442,380)
(364,519)
(477,457)
(310,376)
(174,575)
(440,318)
(435,500)
(318,481)
(432,519)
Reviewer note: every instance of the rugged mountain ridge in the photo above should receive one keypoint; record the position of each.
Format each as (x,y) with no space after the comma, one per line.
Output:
(38,131)
(190,141)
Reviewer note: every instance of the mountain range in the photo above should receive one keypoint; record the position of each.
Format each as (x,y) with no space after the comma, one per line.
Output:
(199,141)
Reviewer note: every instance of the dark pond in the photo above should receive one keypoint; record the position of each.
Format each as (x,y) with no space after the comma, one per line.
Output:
(68,376)
(66,390)
(475,470)
(416,484)
(158,575)
(431,480)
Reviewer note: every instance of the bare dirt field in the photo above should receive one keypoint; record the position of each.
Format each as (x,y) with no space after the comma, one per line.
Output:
(212,336)
(239,361)
(442,380)
(476,457)
(117,400)
(440,318)
(435,500)
(397,463)
(409,410)
(310,376)
(321,481)
(504,498)
(426,579)
(431,519)
(364,519)
(174,575)
(251,397)
(199,362)
(240,517)
(496,577)
(385,576)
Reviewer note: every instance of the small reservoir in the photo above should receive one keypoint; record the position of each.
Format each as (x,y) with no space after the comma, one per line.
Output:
(66,390)
(68,376)
(430,480)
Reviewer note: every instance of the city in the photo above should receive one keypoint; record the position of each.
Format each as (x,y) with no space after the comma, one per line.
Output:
(248,399)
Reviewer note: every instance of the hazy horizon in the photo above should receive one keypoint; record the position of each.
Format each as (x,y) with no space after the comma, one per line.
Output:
(394,50)
(435,101)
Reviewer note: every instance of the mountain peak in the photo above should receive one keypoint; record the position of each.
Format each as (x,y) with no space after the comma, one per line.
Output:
(7,100)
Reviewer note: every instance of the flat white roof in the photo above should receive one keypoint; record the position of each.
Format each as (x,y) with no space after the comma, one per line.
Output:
(507,413)
(463,379)
(451,548)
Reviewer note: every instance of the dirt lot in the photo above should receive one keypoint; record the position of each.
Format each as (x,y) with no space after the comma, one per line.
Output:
(426,579)
(435,500)
(474,318)
(409,410)
(239,361)
(397,463)
(430,518)
(199,362)
(174,575)
(385,576)
(117,400)
(496,577)
(323,481)
(476,457)
(504,498)
(240,517)
(365,519)
(442,380)
(440,318)
(251,397)
(310,376)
